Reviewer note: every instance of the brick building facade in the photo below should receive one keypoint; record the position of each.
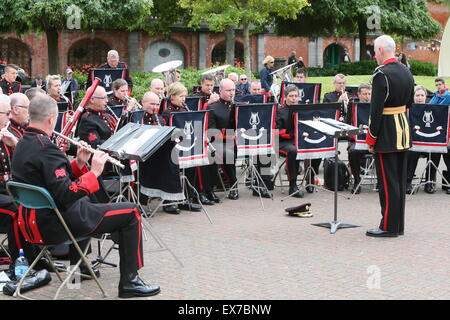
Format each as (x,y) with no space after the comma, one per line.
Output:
(198,49)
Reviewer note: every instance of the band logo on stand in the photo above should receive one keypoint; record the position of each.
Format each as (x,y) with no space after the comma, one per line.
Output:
(429,127)
(308,92)
(360,117)
(255,129)
(310,143)
(108,76)
(191,139)
(194,103)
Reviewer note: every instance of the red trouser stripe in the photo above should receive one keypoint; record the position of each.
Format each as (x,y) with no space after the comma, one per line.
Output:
(386,194)
(199,172)
(15,226)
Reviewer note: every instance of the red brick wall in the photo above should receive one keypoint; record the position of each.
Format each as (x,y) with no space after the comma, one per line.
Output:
(281,47)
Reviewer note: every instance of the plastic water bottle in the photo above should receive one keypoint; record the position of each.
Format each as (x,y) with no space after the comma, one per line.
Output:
(21,265)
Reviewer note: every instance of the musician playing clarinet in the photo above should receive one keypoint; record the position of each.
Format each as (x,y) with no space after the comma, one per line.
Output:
(70,184)
(19,114)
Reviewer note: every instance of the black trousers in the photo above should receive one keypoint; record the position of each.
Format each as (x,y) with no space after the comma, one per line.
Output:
(123,220)
(225,156)
(289,151)
(263,164)
(413,158)
(206,177)
(8,221)
(391,174)
(355,160)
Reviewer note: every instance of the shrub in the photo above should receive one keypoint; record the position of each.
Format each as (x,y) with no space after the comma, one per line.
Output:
(420,68)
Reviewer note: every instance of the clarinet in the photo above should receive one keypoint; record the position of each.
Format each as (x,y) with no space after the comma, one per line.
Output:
(185,106)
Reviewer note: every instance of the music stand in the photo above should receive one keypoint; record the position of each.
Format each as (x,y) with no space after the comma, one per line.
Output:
(292,127)
(335,129)
(138,142)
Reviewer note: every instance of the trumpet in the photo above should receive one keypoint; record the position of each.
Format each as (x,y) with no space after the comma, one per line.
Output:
(139,106)
(92,150)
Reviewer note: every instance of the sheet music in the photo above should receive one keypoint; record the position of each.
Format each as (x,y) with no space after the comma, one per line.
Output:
(135,143)
(328,126)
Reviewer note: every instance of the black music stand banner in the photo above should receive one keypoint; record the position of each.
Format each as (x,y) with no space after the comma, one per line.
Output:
(137,116)
(360,117)
(107,76)
(118,110)
(429,125)
(61,122)
(255,129)
(312,144)
(251,98)
(63,106)
(308,92)
(192,143)
(194,103)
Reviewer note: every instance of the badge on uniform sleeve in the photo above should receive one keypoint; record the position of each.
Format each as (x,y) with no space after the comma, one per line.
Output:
(60,173)
(92,137)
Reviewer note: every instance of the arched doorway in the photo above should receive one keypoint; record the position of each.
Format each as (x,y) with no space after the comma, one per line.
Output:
(333,55)
(16,52)
(219,53)
(87,52)
(162,51)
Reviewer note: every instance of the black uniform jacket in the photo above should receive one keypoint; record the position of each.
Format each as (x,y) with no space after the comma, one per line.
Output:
(221,117)
(10,88)
(16,129)
(153,119)
(171,108)
(95,127)
(39,162)
(282,125)
(392,94)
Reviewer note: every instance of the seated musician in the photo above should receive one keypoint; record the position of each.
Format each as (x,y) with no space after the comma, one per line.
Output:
(157,86)
(8,83)
(301,75)
(119,96)
(19,114)
(54,91)
(355,156)
(206,91)
(69,184)
(221,118)
(255,87)
(113,62)
(150,104)
(339,94)
(176,97)
(286,140)
(420,96)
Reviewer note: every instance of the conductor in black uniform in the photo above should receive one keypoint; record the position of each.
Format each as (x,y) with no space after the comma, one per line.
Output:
(389,136)
(70,184)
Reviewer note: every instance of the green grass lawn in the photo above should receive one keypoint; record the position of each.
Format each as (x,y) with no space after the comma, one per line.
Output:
(327,82)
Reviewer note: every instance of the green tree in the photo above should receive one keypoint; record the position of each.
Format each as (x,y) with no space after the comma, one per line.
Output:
(51,17)
(220,15)
(402,18)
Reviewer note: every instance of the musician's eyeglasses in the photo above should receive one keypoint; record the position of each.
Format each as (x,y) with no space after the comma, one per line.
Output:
(7,112)
(25,107)
(97,97)
(154,104)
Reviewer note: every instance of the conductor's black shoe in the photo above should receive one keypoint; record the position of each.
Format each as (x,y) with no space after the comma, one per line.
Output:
(190,207)
(233,195)
(310,189)
(448,191)
(296,192)
(262,191)
(212,196)
(429,188)
(43,263)
(380,233)
(134,286)
(172,209)
(204,200)
(409,188)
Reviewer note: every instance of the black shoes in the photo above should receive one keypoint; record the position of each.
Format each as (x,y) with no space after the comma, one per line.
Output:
(203,199)
(212,196)
(409,188)
(86,275)
(381,234)
(429,188)
(448,191)
(262,191)
(310,189)
(172,209)
(233,195)
(296,192)
(43,263)
(190,206)
(134,286)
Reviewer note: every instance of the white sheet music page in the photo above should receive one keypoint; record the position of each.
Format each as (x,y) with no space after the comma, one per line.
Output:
(135,143)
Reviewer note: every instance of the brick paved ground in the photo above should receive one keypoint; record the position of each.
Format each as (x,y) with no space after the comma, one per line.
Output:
(250,253)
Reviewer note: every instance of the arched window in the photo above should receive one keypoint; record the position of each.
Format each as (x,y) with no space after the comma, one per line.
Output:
(88,51)
(16,52)
(333,55)
(163,51)
(219,53)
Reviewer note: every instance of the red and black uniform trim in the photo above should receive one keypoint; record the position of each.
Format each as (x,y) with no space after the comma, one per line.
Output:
(62,102)
(16,129)
(95,127)
(115,101)
(9,88)
(171,108)
(153,119)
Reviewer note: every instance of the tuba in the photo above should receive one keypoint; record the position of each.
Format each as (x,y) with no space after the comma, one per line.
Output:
(285,74)
(169,70)
(218,73)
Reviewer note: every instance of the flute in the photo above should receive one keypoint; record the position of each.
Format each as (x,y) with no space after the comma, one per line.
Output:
(74,142)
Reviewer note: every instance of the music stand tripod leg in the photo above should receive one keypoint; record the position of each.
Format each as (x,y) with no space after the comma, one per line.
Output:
(189,185)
